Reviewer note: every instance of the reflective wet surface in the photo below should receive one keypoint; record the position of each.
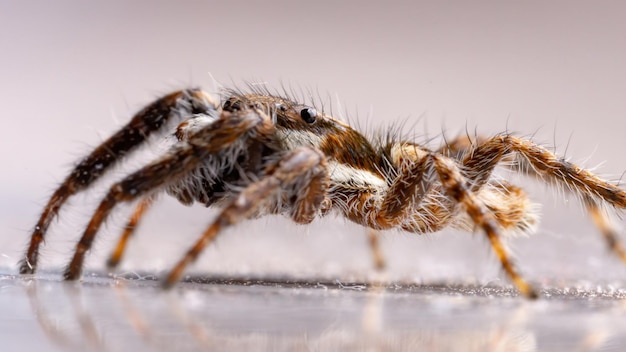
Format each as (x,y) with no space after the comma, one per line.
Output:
(124,314)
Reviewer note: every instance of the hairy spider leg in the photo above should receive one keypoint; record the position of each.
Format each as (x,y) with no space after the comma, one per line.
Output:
(408,187)
(601,219)
(384,208)
(415,164)
(129,231)
(182,158)
(303,167)
(459,189)
(540,162)
(375,249)
(305,210)
(175,106)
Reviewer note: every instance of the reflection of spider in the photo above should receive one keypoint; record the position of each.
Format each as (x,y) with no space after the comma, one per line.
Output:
(258,153)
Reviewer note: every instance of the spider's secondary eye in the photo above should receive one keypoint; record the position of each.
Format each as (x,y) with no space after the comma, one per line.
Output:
(308,115)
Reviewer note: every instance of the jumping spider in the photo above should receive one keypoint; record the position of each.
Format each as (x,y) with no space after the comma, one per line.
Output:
(259,153)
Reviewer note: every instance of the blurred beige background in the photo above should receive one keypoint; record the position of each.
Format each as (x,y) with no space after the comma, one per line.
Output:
(71,73)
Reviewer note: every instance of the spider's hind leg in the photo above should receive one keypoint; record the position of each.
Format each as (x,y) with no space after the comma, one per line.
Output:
(539,162)
(457,188)
(151,119)
(376,251)
(601,219)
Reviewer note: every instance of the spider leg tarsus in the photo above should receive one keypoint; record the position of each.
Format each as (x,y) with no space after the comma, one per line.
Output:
(608,231)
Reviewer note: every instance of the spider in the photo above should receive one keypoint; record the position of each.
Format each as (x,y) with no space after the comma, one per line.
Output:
(259,153)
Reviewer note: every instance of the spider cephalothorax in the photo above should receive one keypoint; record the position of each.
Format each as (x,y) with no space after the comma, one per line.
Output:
(259,153)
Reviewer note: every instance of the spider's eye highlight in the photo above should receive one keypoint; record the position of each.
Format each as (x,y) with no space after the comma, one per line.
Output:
(308,115)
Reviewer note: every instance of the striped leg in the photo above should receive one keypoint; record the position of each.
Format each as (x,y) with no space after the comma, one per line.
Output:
(151,119)
(129,231)
(180,160)
(457,188)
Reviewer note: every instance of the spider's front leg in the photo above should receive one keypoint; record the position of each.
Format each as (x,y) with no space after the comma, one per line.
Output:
(180,160)
(175,106)
(303,170)
(458,188)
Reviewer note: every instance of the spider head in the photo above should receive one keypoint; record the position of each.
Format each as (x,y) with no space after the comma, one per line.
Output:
(299,125)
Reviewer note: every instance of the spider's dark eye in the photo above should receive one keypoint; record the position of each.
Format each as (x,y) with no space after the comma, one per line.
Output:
(308,115)
(232,105)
